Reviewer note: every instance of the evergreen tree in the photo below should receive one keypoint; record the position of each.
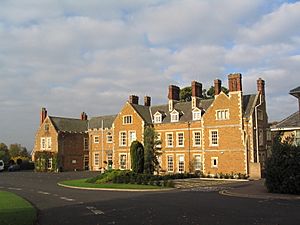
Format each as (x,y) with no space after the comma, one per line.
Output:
(151,151)
(137,157)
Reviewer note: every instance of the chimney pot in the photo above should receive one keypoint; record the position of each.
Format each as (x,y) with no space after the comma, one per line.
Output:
(235,82)
(218,85)
(133,99)
(43,115)
(261,86)
(196,89)
(147,101)
(83,116)
(173,92)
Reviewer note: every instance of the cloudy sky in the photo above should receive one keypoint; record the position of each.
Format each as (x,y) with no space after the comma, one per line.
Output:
(73,56)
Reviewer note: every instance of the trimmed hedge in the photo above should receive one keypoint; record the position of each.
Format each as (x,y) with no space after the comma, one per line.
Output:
(125,176)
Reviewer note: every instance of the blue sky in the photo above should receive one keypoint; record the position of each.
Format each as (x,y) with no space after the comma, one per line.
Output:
(73,56)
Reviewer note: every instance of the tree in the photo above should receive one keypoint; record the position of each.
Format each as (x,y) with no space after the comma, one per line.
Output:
(283,167)
(151,151)
(4,154)
(186,93)
(16,150)
(137,157)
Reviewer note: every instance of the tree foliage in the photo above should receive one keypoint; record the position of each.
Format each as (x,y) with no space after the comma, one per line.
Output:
(186,93)
(4,154)
(16,150)
(151,151)
(137,157)
(283,167)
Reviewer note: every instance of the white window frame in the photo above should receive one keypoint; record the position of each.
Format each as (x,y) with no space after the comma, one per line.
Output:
(96,139)
(198,163)
(48,143)
(109,138)
(121,165)
(130,137)
(169,145)
(157,118)
(96,159)
(127,119)
(177,139)
(174,116)
(197,114)
(122,139)
(212,138)
(50,163)
(169,168)
(222,114)
(194,138)
(43,143)
(180,163)
(213,160)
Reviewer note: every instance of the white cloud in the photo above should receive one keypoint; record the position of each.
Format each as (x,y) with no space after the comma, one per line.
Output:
(74,56)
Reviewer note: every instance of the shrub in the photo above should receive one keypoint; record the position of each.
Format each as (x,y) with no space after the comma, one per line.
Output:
(283,167)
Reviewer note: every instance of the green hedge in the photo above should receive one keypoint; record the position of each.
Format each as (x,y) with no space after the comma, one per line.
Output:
(125,176)
(283,168)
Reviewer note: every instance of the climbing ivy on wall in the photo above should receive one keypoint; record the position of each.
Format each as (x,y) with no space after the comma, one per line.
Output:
(42,159)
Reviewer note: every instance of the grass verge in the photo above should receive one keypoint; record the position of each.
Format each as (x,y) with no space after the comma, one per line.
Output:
(15,210)
(82,183)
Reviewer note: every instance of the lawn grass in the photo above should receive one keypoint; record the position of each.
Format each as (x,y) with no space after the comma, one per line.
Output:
(14,210)
(82,183)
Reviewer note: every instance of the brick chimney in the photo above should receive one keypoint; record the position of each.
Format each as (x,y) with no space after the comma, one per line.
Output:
(196,93)
(235,82)
(218,85)
(173,92)
(173,96)
(261,86)
(133,99)
(83,116)
(147,101)
(43,115)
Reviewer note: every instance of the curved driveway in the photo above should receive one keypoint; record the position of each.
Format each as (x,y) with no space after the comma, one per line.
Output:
(59,206)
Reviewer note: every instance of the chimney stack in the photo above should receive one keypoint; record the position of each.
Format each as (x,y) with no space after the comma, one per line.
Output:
(261,86)
(218,85)
(147,101)
(196,89)
(235,82)
(174,92)
(173,96)
(133,99)
(83,116)
(43,115)
(196,93)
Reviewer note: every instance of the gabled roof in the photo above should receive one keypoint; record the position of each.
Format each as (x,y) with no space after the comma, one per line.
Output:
(69,124)
(249,102)
(96,122)
(185,109)
(295,92)
(289,122)
(144,112)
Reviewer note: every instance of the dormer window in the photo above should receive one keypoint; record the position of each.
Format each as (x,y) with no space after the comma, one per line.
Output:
(174,116)
(157,117)
(196,114)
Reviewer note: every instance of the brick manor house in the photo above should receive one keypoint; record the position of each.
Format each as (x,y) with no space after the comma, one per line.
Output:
(226,134)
